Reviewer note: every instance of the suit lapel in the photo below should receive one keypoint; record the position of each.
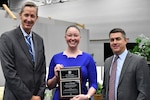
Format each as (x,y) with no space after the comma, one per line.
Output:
(23,44)
(35,42)
(108,64)
(125,66)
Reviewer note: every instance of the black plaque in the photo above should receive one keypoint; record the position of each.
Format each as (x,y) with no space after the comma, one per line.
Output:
(70,82)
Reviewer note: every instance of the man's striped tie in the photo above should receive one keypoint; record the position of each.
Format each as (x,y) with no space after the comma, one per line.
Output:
(30,48)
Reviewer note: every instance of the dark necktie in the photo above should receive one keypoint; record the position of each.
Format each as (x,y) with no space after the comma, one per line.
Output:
(29,47)
(112,80)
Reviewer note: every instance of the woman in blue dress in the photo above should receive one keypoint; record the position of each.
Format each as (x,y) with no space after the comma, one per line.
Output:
(73,56)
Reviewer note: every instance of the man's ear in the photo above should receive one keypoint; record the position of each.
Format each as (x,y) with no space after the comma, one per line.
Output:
(19,14)
(37,17)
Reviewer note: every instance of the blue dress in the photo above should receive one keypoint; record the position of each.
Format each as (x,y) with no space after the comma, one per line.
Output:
(88,69)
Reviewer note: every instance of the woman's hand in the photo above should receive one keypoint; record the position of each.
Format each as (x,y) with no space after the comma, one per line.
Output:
(57,68)
(80,97)
(52,83)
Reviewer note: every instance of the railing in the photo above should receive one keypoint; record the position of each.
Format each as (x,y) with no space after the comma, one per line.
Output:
(9,11)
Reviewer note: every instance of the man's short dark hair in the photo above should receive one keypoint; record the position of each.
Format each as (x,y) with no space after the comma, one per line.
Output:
(115,30)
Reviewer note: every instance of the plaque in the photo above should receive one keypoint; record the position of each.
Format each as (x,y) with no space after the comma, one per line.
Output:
(69,82)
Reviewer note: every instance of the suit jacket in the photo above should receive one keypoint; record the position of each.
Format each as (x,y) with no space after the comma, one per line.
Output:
(23,78)
(134,80)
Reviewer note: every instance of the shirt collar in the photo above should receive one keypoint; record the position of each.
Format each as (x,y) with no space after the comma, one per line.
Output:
(24,33)
(123,55)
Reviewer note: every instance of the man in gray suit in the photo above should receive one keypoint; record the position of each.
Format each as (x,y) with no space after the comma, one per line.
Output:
(132,79)
(23,66)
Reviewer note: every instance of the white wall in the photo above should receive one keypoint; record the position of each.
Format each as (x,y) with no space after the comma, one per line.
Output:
(100,16)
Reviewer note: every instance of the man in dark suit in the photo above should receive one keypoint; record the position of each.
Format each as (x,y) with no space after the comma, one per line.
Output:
(23,66)
(132,79)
